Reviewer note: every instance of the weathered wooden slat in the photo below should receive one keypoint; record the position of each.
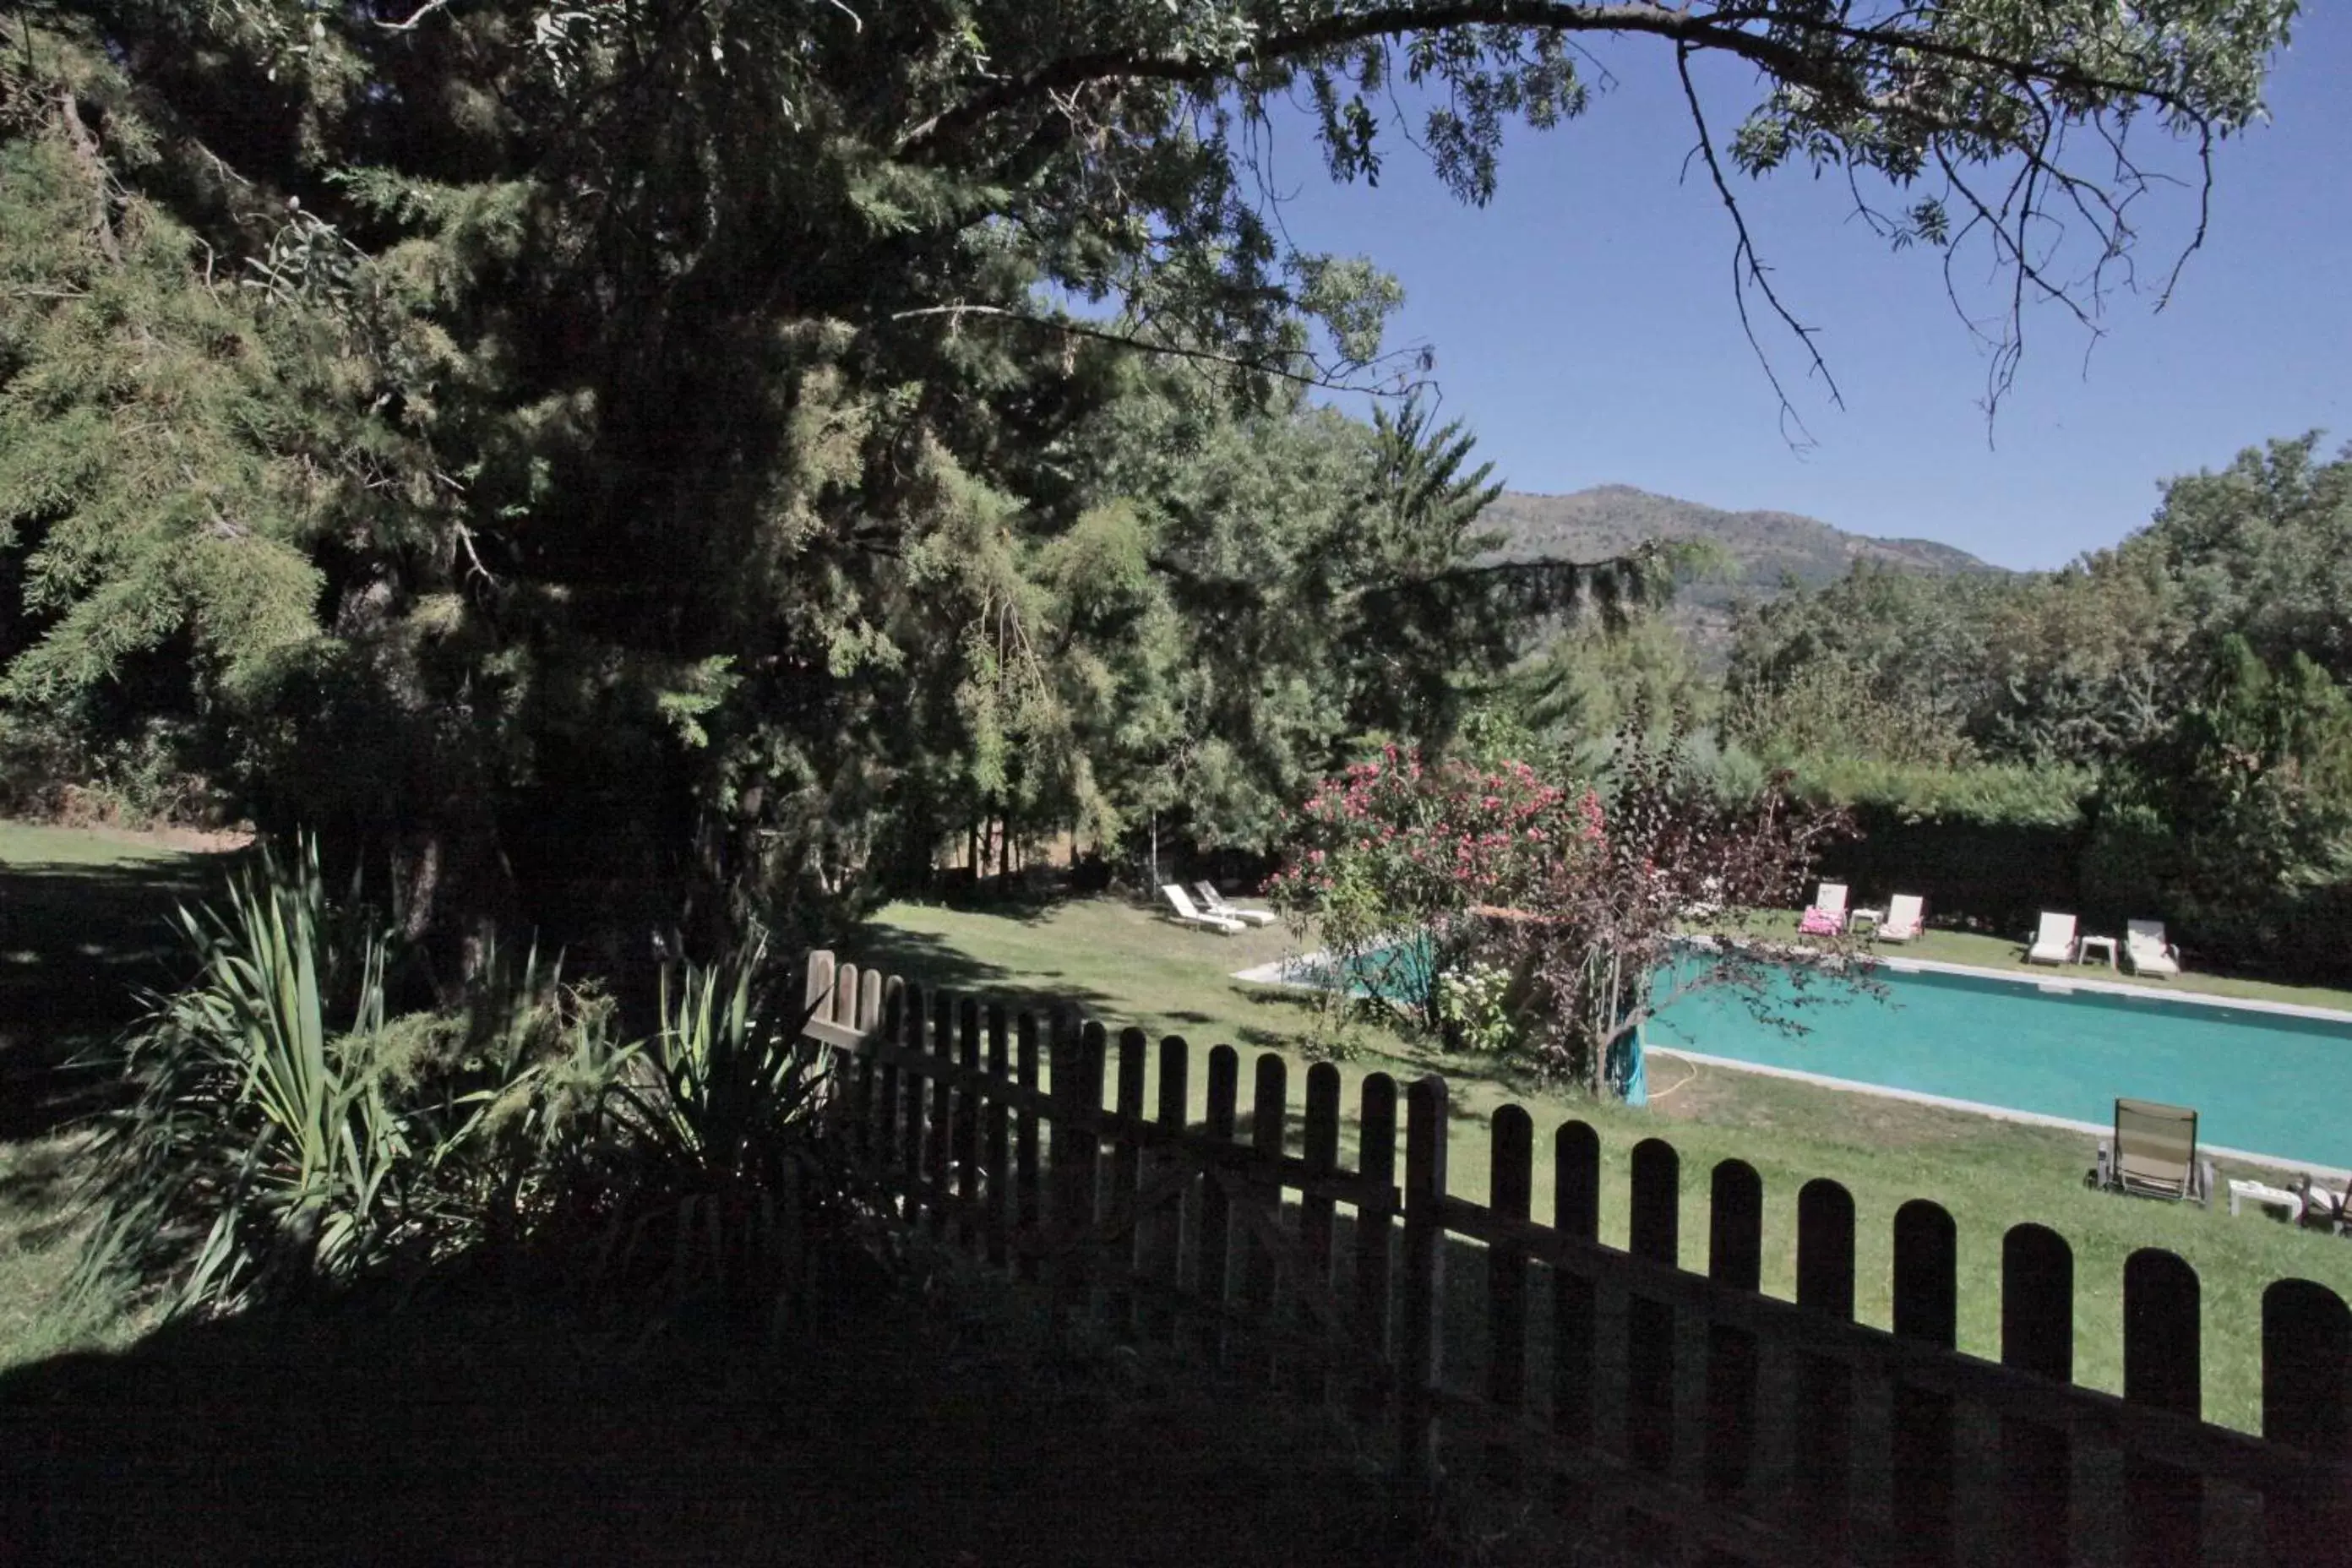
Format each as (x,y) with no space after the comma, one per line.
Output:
(2037,1336)
(1421,1335)
(1375,1228)
(1269,1113)
(999,1133)
(2164,1505)
(938,1142)
(869,999)
(1028,1187)
(2307,1406)
(973,1230)
(1734,1260)
(821,970)
(1211,1261)
(1510,1187)
(1652,1234)
(1126,1168)
(913,1114)
(1576,1218)
(1825,1412)
(1316,1214)
(1161,1239)
(1926,1312)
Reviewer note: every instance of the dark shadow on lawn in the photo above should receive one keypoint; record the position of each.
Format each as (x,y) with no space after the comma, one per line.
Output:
(932,962)
(488,1432)
(78,945)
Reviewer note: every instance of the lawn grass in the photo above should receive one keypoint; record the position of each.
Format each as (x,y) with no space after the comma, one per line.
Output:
(83,927)
(1124,965)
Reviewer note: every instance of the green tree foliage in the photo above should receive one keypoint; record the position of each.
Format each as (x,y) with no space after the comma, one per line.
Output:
(582,453)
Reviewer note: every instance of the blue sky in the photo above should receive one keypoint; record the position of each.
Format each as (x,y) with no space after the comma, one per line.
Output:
(1584,324)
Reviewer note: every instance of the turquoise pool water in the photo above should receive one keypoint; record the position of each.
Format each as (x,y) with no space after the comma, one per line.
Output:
(2264,1082)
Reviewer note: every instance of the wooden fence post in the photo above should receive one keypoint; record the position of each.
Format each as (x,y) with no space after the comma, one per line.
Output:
(1269,1112)
(1575,1340)
(1161,1238)
(1735,1257)
(1825,1412)
(939,1148)
(999,1179)
(1127,1175)
(1926,1308)
(2164,1507)
(895,1012)
(910,1134)
(1026,1186)
(1654,1229)
(1510,1194)
(1211,1265)
(1652,1232)
(970,1220)
(1375,1236)
(2037,1335)
(1315,1212)
(1421,1335)
(2307,1406)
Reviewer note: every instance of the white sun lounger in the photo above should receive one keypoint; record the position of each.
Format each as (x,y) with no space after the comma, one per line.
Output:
(1907,917)
(2054,943)
(1213,902)
(1182,903)
(2146,952)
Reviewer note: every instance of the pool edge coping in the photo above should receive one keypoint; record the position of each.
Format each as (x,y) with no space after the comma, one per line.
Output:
(1977,1107)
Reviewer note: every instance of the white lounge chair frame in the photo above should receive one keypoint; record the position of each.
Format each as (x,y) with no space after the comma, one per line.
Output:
(2148,952)
(1181,903)
(1907,917)
(2054,943)
(1215,902)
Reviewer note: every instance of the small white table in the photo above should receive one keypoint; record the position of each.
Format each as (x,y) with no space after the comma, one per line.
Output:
(2106,944)
(1857,919)
(2266,1197)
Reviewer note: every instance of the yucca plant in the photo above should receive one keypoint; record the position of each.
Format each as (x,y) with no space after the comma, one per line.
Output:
(731,1176)
(260,1151)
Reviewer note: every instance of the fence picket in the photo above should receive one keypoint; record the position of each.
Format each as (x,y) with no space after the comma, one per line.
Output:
(2306,1404)
(1127,1175)
(2037,1335)
(1027,1188)
(819,986)
(1824,1409)
(1421,1327)
(997,1133)
(1575,1211)
(1510,1190)
(1161,1232)
(898,1006)
(1926,1308)
(1735,1257)
(1316,1210)
(1375,1228)
(2164,1507)
(1269,1115)
(911,1162)
(1212,1262)
(869,998)
(1654,1232)
(939,1144)
(970,1223)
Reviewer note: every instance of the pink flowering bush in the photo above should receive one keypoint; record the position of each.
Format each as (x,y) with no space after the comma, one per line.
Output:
(1388,859)
(1420,879)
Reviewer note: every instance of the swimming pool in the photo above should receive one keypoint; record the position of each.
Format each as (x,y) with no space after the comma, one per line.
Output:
(2262,1082)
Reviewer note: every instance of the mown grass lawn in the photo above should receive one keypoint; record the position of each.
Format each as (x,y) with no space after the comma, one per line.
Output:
(1124,965)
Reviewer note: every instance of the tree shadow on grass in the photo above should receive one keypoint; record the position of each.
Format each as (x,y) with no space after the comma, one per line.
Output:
(481,1432)
(79,943)
(934,962)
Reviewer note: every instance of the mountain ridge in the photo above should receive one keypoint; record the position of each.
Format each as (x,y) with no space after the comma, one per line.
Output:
(1767,546)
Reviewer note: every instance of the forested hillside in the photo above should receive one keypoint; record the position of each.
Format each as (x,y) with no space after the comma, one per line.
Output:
(1758,551)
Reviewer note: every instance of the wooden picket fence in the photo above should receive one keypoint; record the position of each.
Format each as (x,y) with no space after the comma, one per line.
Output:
(1686,1418)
